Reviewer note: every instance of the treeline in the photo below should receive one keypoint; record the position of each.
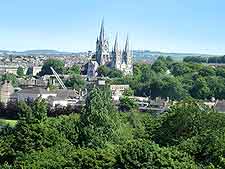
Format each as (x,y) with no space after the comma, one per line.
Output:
(189,136)
(200,59)
(176,80)
(11,110)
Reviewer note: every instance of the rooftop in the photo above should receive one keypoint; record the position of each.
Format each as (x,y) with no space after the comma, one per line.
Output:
(35,90)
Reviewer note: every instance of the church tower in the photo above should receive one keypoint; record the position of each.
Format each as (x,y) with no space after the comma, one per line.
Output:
(127,65)
(126,56)
(102,48)
(116,55)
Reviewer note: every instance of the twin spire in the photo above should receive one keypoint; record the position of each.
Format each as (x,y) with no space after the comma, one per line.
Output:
(116,43)
(127,44)
(102,38)
(118,59)
(116,48)
(102,32)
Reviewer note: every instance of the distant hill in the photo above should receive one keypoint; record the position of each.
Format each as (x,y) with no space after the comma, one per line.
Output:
(145,55)
(4,51)
(44,52)
(35,52)
(152,55)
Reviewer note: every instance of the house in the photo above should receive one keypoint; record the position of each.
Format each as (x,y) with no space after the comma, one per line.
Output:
(36,70)
(32,93)
(8,69)
(117,91)
(6,92)
(64,98)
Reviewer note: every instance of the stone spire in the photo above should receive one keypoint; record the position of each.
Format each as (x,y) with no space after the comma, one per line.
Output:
(102,32)
(127,45)
(116,54)
(127,63)
(116,44)
(126,52)
(102,48)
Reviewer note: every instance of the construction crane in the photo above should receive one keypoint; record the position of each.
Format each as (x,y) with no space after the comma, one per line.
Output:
(58,78)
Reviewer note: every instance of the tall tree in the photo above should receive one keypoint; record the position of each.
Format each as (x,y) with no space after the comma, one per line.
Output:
(96,123)
(56,64)
(74,70)
(75,82)
(20,71)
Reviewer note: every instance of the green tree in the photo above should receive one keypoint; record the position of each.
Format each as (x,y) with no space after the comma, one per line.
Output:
(172,88)
(7,153)
(10,77)
(178,69)
(75,82)
(206,148)
(144,154)
(137,71)
(207,71)
(195,59)
(75,69)
(127,104)
(128,92)
(25,112)
(115,73)
(57,65)
(67,156)
(160,65)
(31,132)
(200,89)
(185,120)
(216,86)
(20,71)
(220,71)
(39,108)
(147,74)
(103,70)
(96,121)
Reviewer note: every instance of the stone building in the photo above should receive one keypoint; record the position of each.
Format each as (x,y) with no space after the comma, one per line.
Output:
(6,92)
(121,60)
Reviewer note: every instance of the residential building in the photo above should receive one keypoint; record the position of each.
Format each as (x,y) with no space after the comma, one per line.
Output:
(117,91)
(6,92)
(32,93)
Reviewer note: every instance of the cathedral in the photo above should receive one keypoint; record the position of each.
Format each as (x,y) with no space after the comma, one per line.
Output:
(121,60)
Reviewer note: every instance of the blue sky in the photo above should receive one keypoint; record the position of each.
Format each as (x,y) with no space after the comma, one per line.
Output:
(72,25)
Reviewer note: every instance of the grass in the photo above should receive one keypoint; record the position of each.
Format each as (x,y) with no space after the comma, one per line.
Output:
(4,122)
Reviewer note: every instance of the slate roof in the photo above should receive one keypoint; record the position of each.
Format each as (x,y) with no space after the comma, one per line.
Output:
(34,90)
(66,93)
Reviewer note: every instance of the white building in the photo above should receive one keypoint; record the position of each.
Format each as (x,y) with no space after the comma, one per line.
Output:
(117,91)
(36,70)
(64,97)
(6,92)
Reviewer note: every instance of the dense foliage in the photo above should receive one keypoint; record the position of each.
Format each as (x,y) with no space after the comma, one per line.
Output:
(11,78)
(20,71)
(188,135)
(75,82)
(200,59)
(107,72)
(176,80)
(57,65)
